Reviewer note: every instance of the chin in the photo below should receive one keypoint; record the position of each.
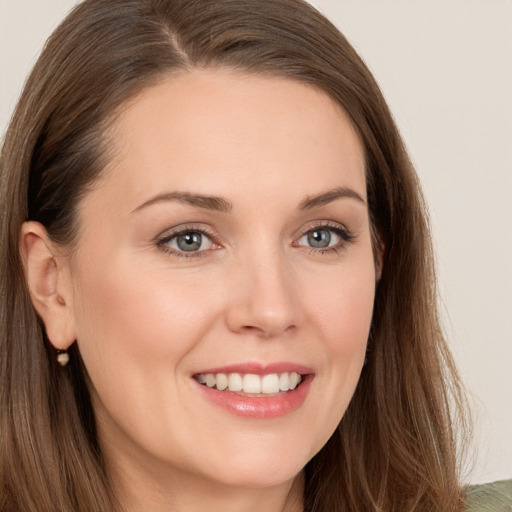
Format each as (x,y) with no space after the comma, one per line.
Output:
(262,476)
(256,467)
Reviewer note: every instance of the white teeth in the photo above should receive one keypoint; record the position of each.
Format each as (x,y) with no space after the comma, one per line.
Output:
(294,380)
(251,383)
(222,381)
(284,382)
(270,384)
(235,382)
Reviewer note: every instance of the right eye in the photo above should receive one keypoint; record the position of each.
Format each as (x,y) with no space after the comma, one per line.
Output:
(187,242)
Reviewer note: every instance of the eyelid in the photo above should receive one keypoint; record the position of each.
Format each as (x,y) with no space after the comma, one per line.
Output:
(342,231)
(323,224)
(168,235)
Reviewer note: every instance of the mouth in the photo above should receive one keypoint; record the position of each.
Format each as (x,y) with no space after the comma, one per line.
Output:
(251,384)
(256,391)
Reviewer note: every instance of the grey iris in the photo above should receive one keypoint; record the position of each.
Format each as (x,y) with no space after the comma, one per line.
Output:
(319,238)
(189,242)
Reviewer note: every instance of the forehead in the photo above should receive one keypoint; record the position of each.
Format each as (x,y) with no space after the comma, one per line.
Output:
(206,129)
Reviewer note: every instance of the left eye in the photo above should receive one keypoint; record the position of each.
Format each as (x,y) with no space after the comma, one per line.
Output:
(320,238)
(189,241)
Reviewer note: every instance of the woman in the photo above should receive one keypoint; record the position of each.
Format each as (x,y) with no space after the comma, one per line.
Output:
(217,279)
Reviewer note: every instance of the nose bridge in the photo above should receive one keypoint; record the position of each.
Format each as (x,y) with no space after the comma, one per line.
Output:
(265,301)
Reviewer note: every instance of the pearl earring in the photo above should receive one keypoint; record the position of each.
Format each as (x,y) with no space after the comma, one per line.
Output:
(62,357)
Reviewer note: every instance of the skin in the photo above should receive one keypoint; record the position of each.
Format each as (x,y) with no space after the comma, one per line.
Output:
(146,318)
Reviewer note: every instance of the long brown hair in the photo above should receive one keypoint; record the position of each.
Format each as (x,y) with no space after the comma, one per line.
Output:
(395,448)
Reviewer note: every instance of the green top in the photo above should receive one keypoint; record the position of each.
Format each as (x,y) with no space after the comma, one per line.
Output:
(493,497)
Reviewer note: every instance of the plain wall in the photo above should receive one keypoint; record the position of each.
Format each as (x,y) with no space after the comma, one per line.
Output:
(445,67)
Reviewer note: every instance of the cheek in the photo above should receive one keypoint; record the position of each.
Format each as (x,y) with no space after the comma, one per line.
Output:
(343,313)
(344,307)
(136,330)
(136,316)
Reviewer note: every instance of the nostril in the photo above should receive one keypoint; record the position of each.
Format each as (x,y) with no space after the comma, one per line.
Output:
(268,331)
(265,306)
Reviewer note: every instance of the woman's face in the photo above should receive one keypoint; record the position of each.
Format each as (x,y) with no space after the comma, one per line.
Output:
(228,242)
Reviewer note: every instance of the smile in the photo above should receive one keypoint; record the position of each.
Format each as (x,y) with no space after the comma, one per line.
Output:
(256,391)
(251,384)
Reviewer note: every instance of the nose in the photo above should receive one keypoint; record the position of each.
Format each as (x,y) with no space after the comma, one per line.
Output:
(264,302)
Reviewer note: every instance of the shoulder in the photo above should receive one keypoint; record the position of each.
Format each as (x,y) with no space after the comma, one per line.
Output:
(493,497)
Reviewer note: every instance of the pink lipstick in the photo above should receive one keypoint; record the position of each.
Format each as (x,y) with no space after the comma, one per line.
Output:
(255,390)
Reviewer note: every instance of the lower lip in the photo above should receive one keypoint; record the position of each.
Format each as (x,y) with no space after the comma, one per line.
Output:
(259,407)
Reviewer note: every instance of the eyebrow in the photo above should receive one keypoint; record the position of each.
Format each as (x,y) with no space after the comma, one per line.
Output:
(330,196)
(220,204)
(214,203)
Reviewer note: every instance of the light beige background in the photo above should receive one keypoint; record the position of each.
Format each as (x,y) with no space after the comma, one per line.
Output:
(445,67)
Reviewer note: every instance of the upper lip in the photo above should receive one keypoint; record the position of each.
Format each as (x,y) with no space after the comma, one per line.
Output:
(259,368)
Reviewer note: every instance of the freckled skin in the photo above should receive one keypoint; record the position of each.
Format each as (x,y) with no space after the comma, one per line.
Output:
(147,319)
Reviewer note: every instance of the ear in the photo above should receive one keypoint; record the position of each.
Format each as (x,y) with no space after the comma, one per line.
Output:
(48,279)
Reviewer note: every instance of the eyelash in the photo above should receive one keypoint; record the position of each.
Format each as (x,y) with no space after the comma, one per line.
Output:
(345,235)
(161,242)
